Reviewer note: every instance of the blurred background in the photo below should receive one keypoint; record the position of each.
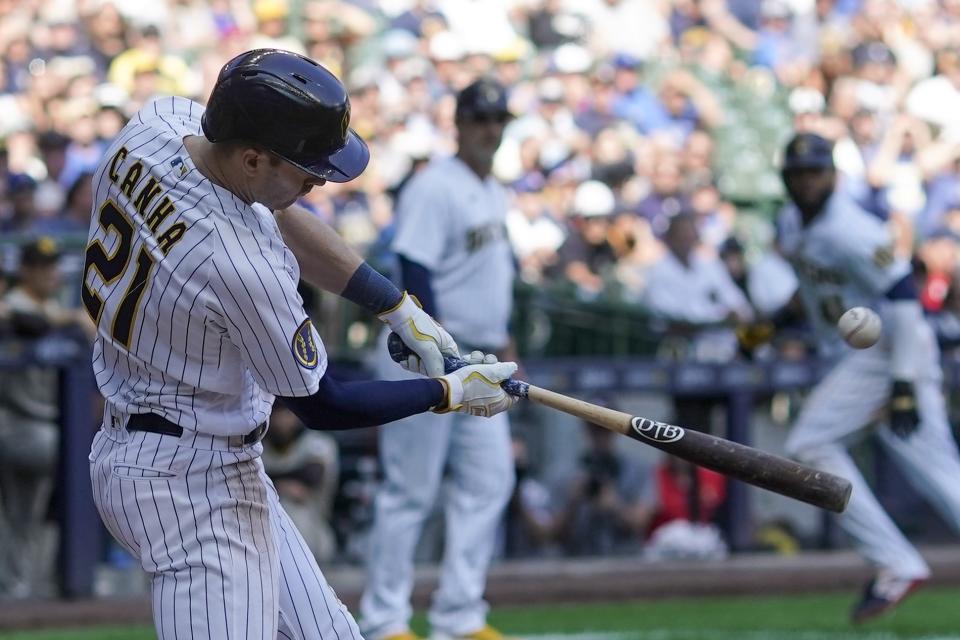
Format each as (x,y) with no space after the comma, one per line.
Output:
(641,125)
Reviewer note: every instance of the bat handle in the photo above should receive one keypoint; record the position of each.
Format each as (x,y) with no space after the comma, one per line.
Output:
(400,352)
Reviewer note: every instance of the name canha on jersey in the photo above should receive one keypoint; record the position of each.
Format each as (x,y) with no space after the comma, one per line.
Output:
(193,291)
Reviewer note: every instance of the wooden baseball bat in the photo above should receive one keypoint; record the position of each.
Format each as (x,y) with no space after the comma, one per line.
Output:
(753,466)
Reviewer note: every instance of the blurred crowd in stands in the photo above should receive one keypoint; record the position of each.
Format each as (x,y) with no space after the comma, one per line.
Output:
(646,132)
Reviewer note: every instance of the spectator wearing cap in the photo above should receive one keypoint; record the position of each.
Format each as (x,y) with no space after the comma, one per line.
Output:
(21,189)
(587,258)
(635,103)
(29,432)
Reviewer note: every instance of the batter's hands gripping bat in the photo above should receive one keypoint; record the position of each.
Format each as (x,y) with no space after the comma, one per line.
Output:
(759,468)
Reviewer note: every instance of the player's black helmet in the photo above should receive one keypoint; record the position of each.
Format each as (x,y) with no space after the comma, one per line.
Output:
(808,151)
(292,106)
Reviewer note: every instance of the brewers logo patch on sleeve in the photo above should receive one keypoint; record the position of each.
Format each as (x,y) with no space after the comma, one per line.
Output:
(303,346)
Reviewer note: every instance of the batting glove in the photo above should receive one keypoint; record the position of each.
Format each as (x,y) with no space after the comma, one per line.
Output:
(475,388)
(904,418)
(424,335)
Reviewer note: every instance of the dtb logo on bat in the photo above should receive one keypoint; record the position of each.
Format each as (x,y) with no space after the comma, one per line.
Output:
(656,431)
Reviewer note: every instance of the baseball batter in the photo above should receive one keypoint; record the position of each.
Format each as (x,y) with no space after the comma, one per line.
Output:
(455,256)
(191,277)
(843,258)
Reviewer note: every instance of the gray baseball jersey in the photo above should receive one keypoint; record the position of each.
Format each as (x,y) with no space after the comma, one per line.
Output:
(452,223)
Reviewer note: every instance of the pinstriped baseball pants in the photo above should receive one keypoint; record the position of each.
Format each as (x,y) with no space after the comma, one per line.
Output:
(205,522)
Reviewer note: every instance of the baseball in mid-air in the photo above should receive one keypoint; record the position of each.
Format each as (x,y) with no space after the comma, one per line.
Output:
(860,327)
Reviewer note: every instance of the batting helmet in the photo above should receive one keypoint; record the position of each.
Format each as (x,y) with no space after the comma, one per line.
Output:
(808,151)
(290,105)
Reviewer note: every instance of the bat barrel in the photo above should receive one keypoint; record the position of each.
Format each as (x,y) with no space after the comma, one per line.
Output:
(759,468)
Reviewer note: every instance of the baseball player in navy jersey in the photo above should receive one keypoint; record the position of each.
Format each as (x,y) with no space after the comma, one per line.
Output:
(191,272)
(454,255)
(843,258)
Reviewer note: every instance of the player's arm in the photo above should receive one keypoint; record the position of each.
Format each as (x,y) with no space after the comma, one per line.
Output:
(326,261)
(905,316)
(872,262)
(474,389)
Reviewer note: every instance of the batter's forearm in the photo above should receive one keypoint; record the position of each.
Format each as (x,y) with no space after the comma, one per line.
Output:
(326,261)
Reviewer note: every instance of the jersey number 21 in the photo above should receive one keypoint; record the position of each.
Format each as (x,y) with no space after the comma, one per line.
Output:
(110,267)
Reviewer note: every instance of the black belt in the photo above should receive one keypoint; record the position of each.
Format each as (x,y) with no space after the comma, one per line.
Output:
(152,423)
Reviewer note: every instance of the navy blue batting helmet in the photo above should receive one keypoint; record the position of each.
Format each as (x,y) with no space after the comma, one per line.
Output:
(290,105)
(808,151)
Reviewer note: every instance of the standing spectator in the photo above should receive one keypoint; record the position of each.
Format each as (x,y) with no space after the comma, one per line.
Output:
(455,257)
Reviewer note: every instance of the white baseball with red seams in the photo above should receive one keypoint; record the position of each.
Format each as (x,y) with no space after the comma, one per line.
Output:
(860,327)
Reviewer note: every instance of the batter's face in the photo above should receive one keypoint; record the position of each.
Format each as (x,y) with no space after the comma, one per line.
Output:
(274,182)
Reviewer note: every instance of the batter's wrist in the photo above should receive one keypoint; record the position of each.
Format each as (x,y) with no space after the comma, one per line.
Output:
(452,394)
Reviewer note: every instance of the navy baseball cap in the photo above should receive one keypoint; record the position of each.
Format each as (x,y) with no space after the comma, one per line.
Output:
(808,151)
(41,252)
(483,98)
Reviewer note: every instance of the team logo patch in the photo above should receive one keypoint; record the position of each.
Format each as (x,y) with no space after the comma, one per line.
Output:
(304,348)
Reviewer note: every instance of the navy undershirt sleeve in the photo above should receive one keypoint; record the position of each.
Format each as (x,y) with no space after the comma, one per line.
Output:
(417,280)
(364,403)
(371,290)
(904,289)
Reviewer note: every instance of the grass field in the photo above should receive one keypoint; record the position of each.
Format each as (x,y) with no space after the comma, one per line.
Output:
(931,614)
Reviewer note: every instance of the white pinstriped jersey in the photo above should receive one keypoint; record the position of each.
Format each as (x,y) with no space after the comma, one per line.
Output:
(843,259)
(194,292)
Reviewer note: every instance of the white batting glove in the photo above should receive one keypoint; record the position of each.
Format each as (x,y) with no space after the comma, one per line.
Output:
(424,335)
(475,388)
